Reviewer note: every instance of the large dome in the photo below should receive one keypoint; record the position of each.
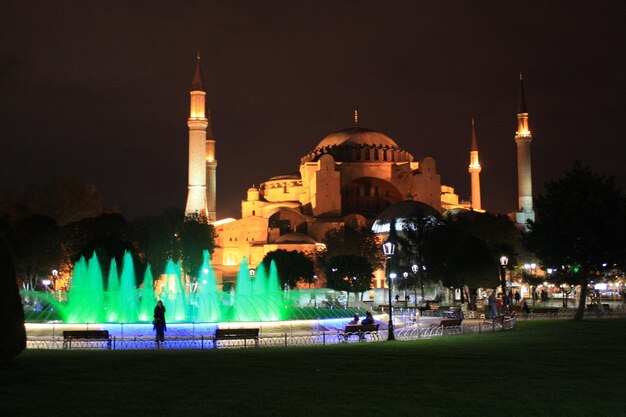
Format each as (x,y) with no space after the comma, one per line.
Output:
(357,136)
(359,144)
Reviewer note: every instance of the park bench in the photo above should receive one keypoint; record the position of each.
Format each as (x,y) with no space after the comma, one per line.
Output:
(449,326)
(358,330)
(236,334)
(85,335)
(596,307)
(550,311)
(506,321)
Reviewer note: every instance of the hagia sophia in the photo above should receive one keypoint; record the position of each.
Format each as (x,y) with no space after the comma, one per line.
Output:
(348,178)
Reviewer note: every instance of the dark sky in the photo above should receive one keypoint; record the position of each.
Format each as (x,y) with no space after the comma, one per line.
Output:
(99,89)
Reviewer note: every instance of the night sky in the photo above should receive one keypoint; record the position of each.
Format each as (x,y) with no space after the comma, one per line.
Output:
(99,90)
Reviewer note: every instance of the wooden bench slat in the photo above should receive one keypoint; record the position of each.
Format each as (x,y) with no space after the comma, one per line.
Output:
(91,335)
(86,334)
(236,334)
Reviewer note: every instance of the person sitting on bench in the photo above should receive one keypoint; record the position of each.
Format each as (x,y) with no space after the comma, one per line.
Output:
(355,320)
(368,319)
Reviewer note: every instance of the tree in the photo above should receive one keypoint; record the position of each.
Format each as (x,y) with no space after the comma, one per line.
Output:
(170,235)
(13,334)
(194,236)
(497,231)
(580,225)
(156,237)
(36,243)
(108,235)
(465,250)
(293,266)
(347,240)
(414,246)
(351,273)
(64,199)
(465,261)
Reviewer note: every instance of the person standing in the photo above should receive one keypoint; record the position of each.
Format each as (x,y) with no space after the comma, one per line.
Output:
(159,322)
(499,304)
(493,311)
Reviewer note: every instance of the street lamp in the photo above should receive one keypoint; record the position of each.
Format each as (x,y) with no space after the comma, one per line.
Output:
(389,248)
(252,272)
(315,290)
(55,276)
(504,261)
(406,302)
(415,269)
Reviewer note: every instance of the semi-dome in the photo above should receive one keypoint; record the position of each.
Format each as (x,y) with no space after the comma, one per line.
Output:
(406,214)
(295,238)
(358,144)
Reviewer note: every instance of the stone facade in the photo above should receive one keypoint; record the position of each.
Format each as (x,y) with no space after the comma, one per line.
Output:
(350,177)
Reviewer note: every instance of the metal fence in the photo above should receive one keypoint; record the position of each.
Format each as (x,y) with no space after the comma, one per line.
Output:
(408,331)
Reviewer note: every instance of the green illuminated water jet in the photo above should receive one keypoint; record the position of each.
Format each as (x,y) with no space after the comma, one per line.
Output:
(255,297)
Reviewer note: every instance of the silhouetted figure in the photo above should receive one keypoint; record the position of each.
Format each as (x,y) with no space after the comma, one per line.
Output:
(159,322)
(368,319)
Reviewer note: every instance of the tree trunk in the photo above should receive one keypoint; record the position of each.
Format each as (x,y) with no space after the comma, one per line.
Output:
(473,299)
(12,331)
(582,302)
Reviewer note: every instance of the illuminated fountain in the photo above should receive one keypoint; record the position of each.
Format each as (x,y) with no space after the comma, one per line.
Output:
(257,299)
(256,296)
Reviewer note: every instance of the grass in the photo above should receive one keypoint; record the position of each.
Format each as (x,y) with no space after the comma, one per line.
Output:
(541,368)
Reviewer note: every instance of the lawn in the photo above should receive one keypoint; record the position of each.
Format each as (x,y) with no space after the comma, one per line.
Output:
(541,368)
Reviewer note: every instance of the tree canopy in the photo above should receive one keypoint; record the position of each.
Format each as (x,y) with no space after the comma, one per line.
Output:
(351,273)
(65,199)
(293,266)
(349,240)
(193,237)
(580,225)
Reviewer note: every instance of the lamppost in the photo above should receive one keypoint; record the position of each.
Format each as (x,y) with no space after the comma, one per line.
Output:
(504,261)
(415,269)
(252,272)
(389,248)
(406,302)
(55,276)
(315,290)
(531,269)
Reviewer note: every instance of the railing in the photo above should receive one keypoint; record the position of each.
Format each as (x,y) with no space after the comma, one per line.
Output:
(405,322)
(409,332)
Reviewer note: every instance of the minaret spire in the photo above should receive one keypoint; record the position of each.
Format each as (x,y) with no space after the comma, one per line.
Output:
(356,118)
(523,139)
(196,83)
(522,98)
(474,146)
(197,122)
(474,170)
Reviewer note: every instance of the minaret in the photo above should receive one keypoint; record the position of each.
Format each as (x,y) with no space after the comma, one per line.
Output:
(197,122)
(474,170)
(211,167)
(523,138)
